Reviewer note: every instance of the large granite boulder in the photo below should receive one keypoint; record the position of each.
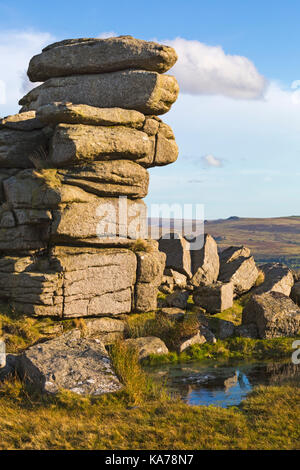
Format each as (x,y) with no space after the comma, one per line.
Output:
(69,362)
(73,144)
(238,268)
(22,122)
(205,263)
(18,146)
(70,282)
(146,346)
(90,56)
(69,113)
(178,253)
(214,298)
(274,314)
(277,278)
(147,92)
(108,178)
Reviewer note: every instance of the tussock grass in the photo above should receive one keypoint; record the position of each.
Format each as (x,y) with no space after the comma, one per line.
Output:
(159,325)
(142,245)
(138,385)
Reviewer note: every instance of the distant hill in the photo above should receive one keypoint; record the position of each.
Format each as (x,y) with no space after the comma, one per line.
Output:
(271,239)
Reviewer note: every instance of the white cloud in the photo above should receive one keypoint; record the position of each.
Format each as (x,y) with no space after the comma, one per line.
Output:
(108,34)
(16,49)
(208,70)
(211,161)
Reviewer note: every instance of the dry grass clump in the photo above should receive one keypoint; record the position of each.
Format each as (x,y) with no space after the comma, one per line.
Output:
(142,245)
(260,278)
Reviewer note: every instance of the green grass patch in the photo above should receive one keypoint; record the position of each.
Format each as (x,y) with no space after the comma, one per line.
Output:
(231,348)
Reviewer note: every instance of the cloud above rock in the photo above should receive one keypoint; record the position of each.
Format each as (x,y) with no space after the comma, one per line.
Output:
(207,70)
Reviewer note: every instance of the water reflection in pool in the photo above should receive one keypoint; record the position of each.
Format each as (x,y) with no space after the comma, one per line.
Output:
(224,384)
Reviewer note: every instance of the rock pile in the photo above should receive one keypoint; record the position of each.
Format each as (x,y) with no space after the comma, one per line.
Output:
(215,279)
(82,139)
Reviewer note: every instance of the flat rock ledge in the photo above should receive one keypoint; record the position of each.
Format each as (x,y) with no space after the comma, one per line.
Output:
(69,362)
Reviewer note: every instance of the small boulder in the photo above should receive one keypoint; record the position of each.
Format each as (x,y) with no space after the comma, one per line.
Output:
(234,252)
(185,343)
(277,278)
(205,263)
(179,280)
(214,298)
(226,329)
(247,331)
(274,315)
(172,314)
(69,362)
(178,299)
(167,285)
(239,268)
(147,346)
(208,335)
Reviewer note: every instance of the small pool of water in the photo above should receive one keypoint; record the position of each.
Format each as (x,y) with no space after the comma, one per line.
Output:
(224,384)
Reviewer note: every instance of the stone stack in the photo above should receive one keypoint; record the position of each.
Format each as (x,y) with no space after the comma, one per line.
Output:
(82,139)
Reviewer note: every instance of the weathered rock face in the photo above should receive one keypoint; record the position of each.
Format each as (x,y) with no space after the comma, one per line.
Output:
(72,178)
(17,146)
(178,254)
(42,208)
(68,113)
(214,298)
(205,263)
(90,56)
(274,315)
(241,271)
(147,346)
(146,92)
(278,278)
(69,362)
(109,178)
(72,282)
(73,144)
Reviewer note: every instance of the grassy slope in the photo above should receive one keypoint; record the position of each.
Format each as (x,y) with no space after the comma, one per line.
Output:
(276,239)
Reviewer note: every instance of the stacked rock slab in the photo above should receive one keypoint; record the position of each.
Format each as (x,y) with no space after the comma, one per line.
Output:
(73,173)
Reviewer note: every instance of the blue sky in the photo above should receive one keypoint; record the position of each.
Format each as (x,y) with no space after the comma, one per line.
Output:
(237,120)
